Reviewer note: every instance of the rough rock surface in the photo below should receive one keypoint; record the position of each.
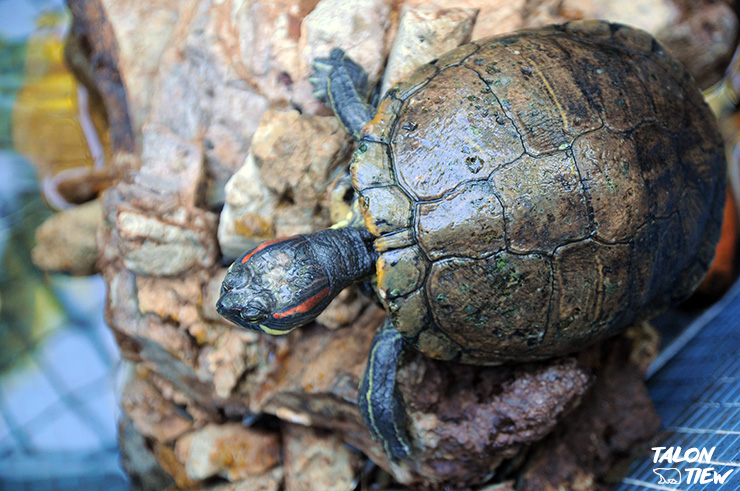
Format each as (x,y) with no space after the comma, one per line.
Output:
(425,33)
(575,455)
(208,87)
(283,187)
(229,450)
(317,459)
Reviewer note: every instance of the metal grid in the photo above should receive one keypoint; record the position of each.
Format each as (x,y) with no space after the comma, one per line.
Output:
(58,409)
(696,391)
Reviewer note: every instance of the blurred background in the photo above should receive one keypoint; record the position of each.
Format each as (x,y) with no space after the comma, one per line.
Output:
(58,410)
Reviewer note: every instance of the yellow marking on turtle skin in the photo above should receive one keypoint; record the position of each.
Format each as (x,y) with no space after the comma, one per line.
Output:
(396,430)
(274,332)
(368,396)
(552,95)
(371,415)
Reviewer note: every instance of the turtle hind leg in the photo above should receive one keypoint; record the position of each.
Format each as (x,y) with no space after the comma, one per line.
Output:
(380,401)
(344,85)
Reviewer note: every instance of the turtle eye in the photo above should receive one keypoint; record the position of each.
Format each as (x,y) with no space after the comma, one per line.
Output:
(254,312)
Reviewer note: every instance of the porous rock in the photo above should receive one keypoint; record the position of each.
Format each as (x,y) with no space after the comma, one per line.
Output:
(317,459)
(282,189)
(229,450)
(495,412)
(579,454)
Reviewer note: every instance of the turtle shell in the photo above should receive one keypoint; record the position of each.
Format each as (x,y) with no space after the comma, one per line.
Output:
(536,191)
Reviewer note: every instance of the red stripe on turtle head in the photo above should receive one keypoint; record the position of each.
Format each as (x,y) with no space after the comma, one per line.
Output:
(304,306)
(263,245)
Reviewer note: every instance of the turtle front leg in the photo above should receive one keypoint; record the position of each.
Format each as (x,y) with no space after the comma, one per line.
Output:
(380,401)
(344,85)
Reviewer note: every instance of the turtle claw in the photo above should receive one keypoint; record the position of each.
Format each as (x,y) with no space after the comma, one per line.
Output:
(320,78)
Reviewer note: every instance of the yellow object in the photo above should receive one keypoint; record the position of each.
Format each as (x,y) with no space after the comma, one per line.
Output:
(52,124)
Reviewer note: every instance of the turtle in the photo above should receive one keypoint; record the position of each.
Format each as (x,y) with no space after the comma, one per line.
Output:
(516,199)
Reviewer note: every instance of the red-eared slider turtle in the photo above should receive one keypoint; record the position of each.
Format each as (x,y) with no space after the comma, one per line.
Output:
(522,196)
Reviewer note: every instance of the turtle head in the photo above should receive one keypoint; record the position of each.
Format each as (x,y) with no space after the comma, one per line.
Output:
(275,287)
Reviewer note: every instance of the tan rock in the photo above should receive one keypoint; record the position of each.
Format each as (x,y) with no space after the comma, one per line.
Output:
(166,458)
(317,459)
(271,480)
(265,42)
(425,33)
(494,16)
(152,414)
(282,188)
(230,450)
(247,215)
(171,167)
(232,355)
(157,248)
(67,241)
(140,50)
(168,298)
(650,15)
(358,27)
(344,309)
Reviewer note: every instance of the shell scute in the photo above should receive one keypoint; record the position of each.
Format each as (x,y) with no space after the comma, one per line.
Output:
(491,304)
(370,166)
(590,291)
(385,209)
(400,272)
(545,202)
(659,164)
(456,127)
(409,314)
(610,170)
(534,81)
(467,222)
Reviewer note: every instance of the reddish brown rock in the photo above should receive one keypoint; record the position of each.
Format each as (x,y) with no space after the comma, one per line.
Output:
(494,414)
(615,417)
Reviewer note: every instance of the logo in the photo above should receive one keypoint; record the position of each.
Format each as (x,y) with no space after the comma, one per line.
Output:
(695,474)
(668,475)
